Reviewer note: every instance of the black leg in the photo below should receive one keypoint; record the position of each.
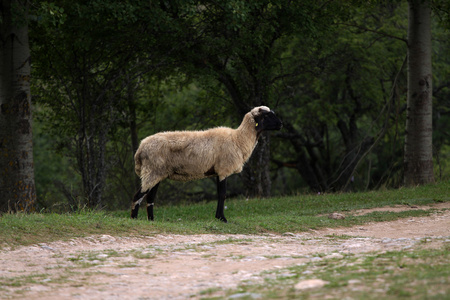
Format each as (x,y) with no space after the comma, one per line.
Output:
(221,192)
(150,201)
(137,199)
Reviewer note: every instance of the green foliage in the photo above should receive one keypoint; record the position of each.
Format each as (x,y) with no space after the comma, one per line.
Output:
(56,181)
(442,9)
(84,62)
(50,14)
(333,71)
(441,102)
(352,84)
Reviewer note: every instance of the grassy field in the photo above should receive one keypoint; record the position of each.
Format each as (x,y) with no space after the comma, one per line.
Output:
(253,216)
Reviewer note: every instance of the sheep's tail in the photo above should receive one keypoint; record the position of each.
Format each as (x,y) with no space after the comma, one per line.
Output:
(137,164)
(148,180)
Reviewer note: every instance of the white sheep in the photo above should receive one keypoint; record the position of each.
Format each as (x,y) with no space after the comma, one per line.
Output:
(189,155)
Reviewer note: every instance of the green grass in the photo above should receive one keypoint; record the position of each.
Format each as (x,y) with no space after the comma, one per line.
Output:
(254,216)
(418,274)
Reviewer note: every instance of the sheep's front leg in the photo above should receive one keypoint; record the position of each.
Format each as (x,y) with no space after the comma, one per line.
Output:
(221,192)
(150,201)
(138,197)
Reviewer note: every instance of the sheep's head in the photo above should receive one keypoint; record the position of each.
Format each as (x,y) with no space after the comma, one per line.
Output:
(265,119)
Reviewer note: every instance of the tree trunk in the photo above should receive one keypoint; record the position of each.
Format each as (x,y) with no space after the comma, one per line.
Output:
(17,188)
(256,173)
(133,128)
(418,157)
(307,168)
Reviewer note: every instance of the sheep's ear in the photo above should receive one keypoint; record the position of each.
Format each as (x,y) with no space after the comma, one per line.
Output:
(264,110)
(255,112)
(260,111)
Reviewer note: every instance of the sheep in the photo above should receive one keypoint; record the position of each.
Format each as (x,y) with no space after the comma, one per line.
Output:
(190,155)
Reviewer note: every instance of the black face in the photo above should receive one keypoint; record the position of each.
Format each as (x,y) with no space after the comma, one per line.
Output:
(268,121)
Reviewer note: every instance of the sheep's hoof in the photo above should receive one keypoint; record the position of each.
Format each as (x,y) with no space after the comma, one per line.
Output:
(223,219)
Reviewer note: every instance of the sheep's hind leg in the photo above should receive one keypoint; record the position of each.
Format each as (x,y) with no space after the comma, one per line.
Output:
(150,201)
(137,199)
(221,192)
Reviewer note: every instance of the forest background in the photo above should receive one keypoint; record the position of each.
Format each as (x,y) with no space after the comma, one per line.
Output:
(105,74)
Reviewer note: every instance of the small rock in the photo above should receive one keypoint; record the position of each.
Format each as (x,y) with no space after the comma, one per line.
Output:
(354,281)
(107,238)
(310,284)
(335,255)
(316,258)
(336,216)
(245,295)
(207,247)
(354,245)
(44,246)
(288,234)
(286,275)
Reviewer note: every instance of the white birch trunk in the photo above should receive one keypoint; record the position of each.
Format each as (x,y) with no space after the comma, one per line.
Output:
(418,157)
(17,188)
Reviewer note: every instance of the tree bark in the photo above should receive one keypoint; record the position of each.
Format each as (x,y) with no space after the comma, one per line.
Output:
(307,167)
(256,172)
(17,188)
(133,127)
(418,156)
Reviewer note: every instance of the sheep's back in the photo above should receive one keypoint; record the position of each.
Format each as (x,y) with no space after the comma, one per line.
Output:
(182,155)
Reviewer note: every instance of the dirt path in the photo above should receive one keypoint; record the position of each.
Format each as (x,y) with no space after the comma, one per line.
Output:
(180,267)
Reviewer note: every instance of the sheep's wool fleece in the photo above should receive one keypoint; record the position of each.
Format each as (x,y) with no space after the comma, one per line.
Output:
(189,155)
